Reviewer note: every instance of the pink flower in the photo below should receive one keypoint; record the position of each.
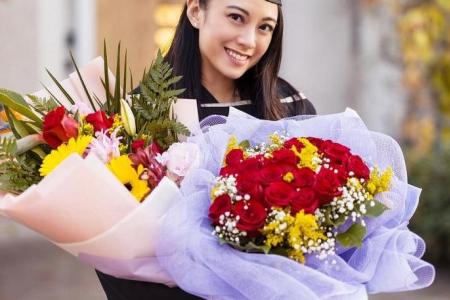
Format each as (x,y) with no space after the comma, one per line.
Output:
(180,158)
(105,147)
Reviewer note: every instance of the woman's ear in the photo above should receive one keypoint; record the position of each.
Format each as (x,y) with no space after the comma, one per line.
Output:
(193,12)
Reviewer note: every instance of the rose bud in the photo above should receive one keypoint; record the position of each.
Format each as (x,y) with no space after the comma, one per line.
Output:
(305,200)
(100,121)
(220,206)
(356,165)
(252,216)
(278,194)
(58,127)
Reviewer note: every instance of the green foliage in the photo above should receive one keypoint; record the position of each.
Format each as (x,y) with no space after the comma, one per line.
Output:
(18,174)
(377,210)
(152,108)
(17,103)
(251,247)
(112,104)
(43,105)
(432,218)
(353,236)
(8,148)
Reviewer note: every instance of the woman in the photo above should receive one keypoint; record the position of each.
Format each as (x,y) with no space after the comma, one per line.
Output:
(229,53)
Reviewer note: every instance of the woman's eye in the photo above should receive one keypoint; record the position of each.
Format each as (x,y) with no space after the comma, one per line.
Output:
(236,17)
(267,28)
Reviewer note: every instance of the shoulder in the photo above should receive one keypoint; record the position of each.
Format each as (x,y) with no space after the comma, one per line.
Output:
(296,103)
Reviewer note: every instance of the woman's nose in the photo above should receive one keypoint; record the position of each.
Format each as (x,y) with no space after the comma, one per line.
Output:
(247,38)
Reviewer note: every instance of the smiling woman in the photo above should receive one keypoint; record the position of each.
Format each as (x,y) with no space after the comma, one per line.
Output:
(229,54)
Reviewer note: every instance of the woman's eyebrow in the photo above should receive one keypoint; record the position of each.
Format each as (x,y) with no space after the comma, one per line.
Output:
(247,13)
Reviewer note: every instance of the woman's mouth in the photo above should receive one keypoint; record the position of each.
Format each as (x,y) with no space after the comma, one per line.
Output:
(236,57)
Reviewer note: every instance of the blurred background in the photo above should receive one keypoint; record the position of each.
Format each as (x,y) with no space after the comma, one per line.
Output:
(387,59)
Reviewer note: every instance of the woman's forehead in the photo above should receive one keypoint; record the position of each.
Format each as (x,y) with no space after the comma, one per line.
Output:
(257,8)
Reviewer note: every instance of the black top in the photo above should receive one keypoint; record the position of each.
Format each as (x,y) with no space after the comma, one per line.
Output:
(123,289)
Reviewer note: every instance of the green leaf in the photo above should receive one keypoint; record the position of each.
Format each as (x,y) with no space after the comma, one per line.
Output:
(250,247)
(42,105)
(61,88)
(353,236)
(106,83)
(17,126)
(82,81)
(116,98)
(52,95)
(377,210)
(15,96)
(39,152)
(124,87)
(20,108)
(8,147)
(245,144)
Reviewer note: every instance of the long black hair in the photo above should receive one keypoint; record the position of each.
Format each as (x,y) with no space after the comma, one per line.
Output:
(260,83)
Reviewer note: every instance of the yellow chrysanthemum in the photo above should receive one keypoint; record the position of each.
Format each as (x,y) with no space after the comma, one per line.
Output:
(308,155)
(122,168)
(55,157)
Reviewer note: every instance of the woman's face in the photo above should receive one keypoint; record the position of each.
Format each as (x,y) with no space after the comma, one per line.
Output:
(234,35)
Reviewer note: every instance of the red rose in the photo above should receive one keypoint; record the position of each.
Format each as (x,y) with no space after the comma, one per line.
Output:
(304,199)
(336,152)
(248,183)
(221,205)
(137,144)
(341,174)
(326,186)
(58,127)
(357,166)
(227,171)
(304,177)
(284,156)
(100,121)
(293,142)
(252,216)
(316,142)
(278,194)
(253,163)
(234,157)
(269,174)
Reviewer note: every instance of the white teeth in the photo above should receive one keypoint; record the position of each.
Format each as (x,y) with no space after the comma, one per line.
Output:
(237,56)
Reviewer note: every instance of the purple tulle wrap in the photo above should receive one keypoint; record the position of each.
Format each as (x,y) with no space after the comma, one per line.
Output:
(388,260)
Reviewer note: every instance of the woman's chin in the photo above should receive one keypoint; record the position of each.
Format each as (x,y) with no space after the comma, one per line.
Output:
(234,73)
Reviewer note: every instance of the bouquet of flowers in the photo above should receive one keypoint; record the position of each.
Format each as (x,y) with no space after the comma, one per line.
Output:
(96,175)
(318,212)
(293,196)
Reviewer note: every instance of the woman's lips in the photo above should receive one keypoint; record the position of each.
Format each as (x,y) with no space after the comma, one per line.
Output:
(236,57)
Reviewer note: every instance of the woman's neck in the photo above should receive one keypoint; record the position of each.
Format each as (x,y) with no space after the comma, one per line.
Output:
(223,89)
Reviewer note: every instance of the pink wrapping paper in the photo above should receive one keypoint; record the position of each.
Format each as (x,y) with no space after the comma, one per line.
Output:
(79,200)
(84,209)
